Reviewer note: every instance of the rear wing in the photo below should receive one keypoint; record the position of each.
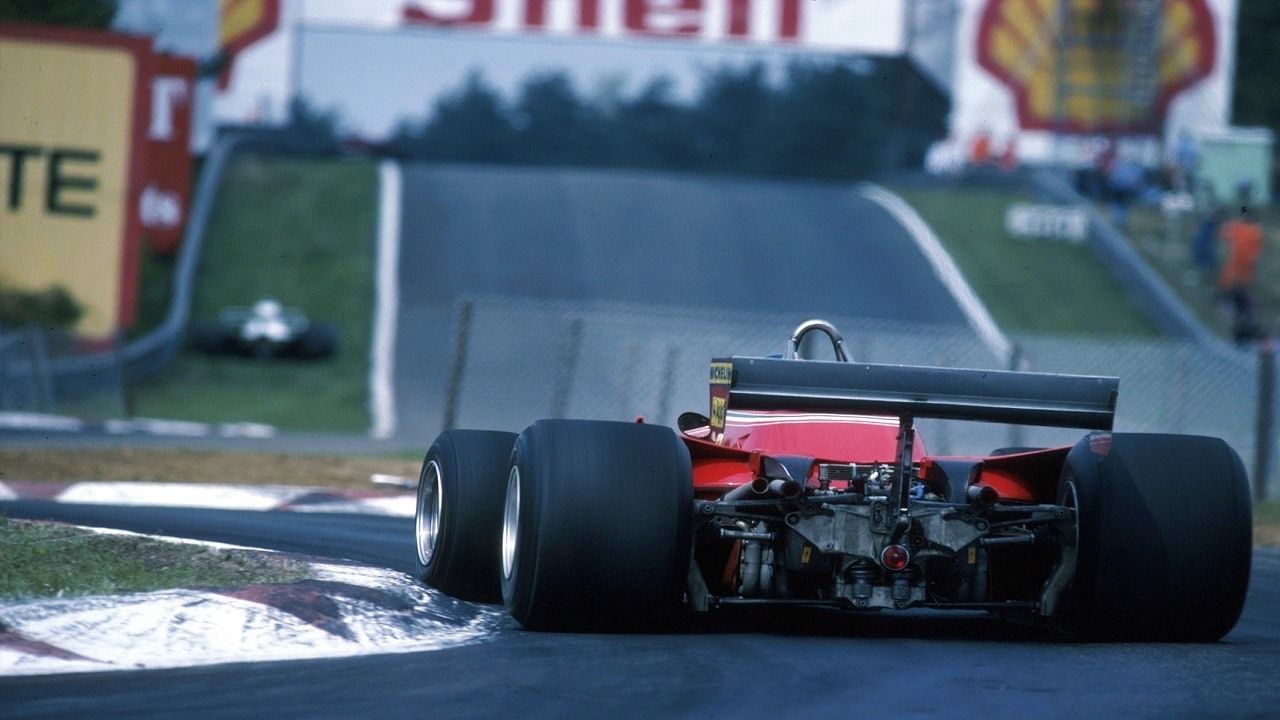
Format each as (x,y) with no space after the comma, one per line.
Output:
(904,391)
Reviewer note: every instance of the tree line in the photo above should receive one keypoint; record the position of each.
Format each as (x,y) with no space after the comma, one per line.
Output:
(830,120)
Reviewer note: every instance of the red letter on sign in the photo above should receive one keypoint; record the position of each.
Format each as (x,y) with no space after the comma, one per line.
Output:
(535,14)
(739,18)
(476,12)
(664,17)
(789,29)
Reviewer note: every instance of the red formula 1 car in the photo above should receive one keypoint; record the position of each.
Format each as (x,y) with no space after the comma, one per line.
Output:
(808,485)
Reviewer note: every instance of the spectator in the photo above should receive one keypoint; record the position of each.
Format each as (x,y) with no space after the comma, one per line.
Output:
(1186,159)
(980,149)
(1123,185)
(1095,180)
(1204,244)
(1243,237)
(1009,157)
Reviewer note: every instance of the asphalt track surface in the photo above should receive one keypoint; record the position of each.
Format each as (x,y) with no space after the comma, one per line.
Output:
(729,245)
(813,665)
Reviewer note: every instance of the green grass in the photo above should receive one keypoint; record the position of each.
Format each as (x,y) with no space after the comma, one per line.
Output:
(1167,247)
(301,231)
(1266,523)
(1029,286)
(48,560)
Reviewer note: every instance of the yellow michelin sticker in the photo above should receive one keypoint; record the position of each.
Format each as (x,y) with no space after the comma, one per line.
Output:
(718,406)
(721,382)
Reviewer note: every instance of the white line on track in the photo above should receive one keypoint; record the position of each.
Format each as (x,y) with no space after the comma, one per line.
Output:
(382,362)
(944,267)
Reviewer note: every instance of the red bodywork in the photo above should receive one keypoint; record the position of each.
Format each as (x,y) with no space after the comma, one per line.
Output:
(860,439)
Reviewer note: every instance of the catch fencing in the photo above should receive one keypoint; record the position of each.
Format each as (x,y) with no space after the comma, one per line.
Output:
(516,360)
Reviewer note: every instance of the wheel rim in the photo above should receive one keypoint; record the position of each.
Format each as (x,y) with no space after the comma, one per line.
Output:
(1071,500)
(430,510)
(511,522)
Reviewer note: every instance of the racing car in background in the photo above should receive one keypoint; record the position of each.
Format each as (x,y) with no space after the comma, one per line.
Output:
(809,485)
(268,329)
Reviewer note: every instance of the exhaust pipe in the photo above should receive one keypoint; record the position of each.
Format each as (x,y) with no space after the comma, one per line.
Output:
(982,494)
(785,489)
(762,488)
(754,490)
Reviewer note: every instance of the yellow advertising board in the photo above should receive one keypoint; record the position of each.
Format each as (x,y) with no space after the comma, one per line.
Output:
(71,141)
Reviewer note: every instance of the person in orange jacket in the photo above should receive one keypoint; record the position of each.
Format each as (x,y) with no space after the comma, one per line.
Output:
(1243,238)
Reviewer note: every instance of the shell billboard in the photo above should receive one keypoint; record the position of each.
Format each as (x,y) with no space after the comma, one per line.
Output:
(1026,69)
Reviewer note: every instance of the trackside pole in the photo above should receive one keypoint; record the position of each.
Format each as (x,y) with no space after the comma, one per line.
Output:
(4,371)
(122,374)
(461,340)
(1266,419)
(566,369)
(41,378)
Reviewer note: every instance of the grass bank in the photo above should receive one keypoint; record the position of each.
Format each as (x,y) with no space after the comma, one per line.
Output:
(50,560)
(301,231)
(1029,286)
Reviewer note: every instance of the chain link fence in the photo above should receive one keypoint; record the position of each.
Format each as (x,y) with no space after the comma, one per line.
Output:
(517,360)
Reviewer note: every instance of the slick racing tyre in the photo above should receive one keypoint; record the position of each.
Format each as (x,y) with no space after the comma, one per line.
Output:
(459,512)
(1164,537)
(596,525)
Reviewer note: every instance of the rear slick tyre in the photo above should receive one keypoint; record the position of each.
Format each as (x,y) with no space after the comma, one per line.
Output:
(459,513)
(1164,537)
(596,529)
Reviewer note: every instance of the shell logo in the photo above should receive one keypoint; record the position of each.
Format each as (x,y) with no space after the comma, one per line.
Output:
(243,23)
(1096,66)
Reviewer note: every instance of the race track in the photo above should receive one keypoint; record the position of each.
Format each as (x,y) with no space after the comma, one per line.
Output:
(727,245)
(814,666)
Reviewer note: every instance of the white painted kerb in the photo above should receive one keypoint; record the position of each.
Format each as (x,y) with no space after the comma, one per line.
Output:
(944,267)
(382,363)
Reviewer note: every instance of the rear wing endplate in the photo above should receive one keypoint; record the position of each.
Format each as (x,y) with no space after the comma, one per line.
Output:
(751,383)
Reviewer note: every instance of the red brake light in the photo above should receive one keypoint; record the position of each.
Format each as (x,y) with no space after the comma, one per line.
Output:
(895,557)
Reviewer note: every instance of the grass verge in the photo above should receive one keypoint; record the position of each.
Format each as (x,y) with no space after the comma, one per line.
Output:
(300,231)
(50,560)
(127,464)
(1029,286)
(1266,524)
